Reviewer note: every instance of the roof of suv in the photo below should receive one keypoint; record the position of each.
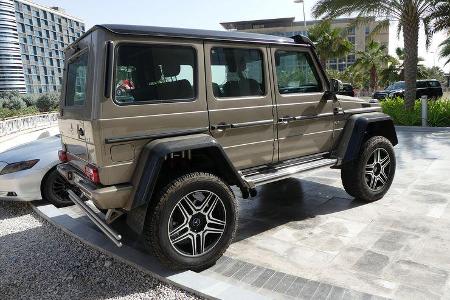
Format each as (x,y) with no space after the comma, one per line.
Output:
(195,33)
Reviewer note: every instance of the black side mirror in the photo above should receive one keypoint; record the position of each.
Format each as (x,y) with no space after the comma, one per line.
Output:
(335,85)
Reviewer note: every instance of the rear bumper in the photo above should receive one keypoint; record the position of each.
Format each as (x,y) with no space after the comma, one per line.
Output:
(115,196)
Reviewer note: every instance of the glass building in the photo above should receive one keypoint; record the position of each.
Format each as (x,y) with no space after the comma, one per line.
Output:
(288,27)
(32,40)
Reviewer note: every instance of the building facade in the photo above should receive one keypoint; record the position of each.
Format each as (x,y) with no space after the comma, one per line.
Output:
(31,45)
(288,27)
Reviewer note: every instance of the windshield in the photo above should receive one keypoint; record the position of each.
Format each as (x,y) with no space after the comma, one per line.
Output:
(396,86)
(76,80)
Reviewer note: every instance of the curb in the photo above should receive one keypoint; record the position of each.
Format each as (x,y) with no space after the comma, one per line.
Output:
(422,129)
(195,283)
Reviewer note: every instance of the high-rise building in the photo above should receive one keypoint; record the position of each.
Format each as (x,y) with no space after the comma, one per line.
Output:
(288,27)
(32,40)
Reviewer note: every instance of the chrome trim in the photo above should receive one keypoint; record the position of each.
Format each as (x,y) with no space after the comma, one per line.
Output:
(107,230)
(362,110)
(159,135)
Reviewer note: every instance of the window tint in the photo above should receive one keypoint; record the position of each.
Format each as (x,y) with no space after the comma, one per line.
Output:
(422,84)
(434,84)
(154,73)
(76,80)
(237,72)
(296,73)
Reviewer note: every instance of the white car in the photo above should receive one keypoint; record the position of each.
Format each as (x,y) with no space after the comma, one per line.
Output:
(28,172)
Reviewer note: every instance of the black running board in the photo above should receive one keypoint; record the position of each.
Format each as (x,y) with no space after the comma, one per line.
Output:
(105,228)
(272,175)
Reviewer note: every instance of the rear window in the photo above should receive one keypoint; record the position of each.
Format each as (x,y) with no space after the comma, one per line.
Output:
(154,74)
(76,80)
(434,84)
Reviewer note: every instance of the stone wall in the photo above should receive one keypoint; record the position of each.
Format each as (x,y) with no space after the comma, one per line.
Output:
(27,123)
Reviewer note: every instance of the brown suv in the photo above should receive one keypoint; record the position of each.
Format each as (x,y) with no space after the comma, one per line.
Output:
(158,123)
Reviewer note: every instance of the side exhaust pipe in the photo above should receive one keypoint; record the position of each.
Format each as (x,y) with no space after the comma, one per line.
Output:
(105,228)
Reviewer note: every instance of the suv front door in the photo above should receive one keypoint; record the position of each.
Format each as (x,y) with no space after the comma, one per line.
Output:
(305,120)
(240,105)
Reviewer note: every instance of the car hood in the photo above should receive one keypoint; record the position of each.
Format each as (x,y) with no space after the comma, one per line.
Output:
(32,150)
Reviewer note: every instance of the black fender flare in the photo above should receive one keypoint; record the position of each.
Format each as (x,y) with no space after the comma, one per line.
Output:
(357,129)
(153,156)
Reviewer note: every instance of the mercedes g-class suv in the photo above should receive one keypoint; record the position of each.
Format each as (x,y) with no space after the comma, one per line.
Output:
(158,123)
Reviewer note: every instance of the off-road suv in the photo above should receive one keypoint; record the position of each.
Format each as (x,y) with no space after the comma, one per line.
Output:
(158,123)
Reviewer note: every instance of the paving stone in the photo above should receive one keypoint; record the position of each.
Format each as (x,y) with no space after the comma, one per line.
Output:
(244,270)
(406,292)
(296,287)
(253,274)
(418,275)
(322,291)
(233,269)
(371,262)
(263,278)
(309,289)
(284,284)
(274,280)
(336,293)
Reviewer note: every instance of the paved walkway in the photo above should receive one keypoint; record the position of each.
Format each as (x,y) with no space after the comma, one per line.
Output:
(398,247)
(306,238)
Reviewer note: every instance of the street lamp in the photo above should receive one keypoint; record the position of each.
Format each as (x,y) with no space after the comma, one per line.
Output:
(304,15)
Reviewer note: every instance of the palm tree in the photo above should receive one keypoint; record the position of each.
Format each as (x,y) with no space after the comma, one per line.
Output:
(409,14)
(372,61)
(445,50)
(330,42)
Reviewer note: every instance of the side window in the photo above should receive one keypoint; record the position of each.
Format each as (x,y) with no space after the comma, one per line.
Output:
(296,73)
(154,74)
(237,72)
(76,80)
(434,84)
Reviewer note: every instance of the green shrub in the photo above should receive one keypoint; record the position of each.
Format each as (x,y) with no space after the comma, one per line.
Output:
(438,112)
(29,99)
(14,103)
(9,95)
(48,102)
(10,113)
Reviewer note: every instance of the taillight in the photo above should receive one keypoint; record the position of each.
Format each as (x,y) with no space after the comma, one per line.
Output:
(92,173)
(62,155)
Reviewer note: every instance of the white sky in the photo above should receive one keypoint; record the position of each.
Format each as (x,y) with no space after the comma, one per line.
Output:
(207,14)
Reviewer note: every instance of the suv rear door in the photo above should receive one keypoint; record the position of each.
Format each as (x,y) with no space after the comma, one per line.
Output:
(241,109)
(76,105)
(305,120)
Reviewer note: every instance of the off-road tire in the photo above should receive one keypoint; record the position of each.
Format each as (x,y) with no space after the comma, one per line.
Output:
(156,232)
(49,183)
(353,174)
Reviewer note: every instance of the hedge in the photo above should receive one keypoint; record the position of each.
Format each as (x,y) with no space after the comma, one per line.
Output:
(438,112)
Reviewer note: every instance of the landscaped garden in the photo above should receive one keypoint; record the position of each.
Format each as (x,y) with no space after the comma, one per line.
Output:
(13,104)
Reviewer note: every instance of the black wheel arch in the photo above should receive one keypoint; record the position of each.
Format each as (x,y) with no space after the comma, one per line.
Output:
(358,129)
(206,154)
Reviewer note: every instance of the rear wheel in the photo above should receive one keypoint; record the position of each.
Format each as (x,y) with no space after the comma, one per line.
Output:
(370,176)
(193,223)
(54,189)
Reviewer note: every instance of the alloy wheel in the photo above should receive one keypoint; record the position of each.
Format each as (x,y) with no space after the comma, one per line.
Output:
(377,169)
(196,223)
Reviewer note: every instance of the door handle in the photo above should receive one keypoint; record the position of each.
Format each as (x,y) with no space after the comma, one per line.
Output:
(222,126)
(338,111)
(285,120)
(80,132)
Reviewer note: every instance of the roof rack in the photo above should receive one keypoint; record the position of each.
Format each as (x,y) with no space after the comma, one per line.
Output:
(301,39)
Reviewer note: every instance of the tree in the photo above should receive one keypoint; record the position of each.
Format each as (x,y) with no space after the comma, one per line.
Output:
(409,14)
(372,61)
(445,50)
(330,42)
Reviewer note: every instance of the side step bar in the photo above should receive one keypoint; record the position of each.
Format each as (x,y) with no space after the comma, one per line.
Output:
(105,228)
(273,175)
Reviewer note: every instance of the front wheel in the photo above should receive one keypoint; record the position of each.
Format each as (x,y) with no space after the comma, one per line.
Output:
(54,189)
(369,177)
(193,223)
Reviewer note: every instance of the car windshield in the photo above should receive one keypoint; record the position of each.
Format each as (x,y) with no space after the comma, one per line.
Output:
(396,86)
